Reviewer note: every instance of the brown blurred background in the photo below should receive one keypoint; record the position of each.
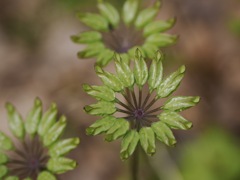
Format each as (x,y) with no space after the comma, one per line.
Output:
(37,58)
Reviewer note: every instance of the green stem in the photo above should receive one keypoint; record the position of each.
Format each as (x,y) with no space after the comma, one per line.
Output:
(135,164)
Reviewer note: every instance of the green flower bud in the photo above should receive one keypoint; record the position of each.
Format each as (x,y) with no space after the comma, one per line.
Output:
(60,165)
(129,12)
(100,108)
(124,72)
(147,15)
(158,26)
(104,57)
(140,69)
(87,37)
(101,126)
(150,50)
(163,133)
(55,132)
(181,103)
(147,140)
(63,147)
(129,144)
(5,142)
(162,40)
(48,119)
(3,158)
(155,72)
(15,121)
(171,83)
(174,120)
(34,117)
(109,79)
(3,171)
(92,49)
(95,21)
(109,12)
(45,175)
(117,130)
(99,92)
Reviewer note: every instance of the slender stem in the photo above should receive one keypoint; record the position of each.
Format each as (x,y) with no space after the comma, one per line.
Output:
(127,97)
(134,99)
(124,105)
(146,100)
(140,98)
(150,104)
(151,116)
(124,111)
(135,164)
(128,117)
(154,110)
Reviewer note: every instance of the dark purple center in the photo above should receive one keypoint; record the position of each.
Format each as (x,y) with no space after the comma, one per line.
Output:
(139,113)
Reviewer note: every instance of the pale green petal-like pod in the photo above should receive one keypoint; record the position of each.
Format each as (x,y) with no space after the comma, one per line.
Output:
(5,142)
(129,144)
(140,69)
(109,12)
(34,117)
(3,158)
(91,50)
(117,130)
(124,72)
(171,83)
(180,103)
(28,178)
(155,72)
(101,125)
(132,52)
(87,37)
(60,165)
(48,119)
(63,147)
(149,50)
(109,79)
(164,133)
(15,121)
(147,140)
(162,40)
(55,131)
(95,21)
(99,92)
(14,178)
(104,57)
(101,108)
(174,120)
(158,26)
(129,12)
(46,175)
(3,171)
(147,15)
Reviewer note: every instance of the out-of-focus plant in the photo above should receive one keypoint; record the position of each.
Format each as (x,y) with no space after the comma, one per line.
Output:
(39,152)
(123,32)
(234,25)
(213,156)
(138,120)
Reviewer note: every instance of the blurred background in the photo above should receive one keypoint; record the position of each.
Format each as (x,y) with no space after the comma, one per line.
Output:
(37,58)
